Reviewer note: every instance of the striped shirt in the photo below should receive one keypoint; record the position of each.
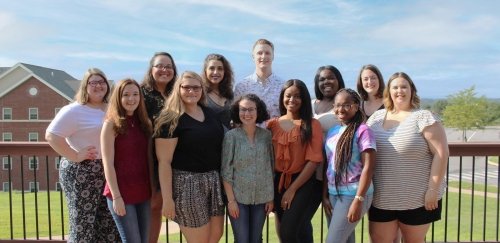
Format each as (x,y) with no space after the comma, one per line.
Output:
(404,160)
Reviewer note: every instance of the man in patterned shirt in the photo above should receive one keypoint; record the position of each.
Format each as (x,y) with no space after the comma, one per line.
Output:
(263,82)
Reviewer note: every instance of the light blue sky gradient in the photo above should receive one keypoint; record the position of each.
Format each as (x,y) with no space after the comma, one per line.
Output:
(445,46)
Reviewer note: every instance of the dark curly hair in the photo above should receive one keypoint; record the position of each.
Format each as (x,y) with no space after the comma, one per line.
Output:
(226,85)
(262,114)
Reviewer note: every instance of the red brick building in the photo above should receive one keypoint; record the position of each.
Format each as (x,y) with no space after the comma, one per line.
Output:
(30,96)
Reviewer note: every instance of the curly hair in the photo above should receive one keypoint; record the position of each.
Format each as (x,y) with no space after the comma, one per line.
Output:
(262,114)
(226,85)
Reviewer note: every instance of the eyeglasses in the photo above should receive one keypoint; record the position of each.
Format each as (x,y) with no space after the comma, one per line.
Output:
(95,83)
(163,67)
(249,110)
(346,107)
(194,88)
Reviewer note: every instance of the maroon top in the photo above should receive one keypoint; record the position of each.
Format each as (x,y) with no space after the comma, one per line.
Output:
(131,164)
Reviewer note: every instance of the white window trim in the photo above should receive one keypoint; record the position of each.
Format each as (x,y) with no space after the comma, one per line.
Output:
(36,162)
(29,113)
(56,110)
(58,186)
(4,112)
(5,135)
(32,133)
(32,184)
(5,186)
(5,162)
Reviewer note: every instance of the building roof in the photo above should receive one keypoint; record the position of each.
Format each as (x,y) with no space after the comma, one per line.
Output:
(58,80)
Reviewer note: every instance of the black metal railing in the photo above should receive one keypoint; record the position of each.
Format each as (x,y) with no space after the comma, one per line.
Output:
(471,204)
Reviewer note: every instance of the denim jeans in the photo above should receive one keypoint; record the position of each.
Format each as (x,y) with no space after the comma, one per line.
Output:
(247,228)
(340,230)
(134,225)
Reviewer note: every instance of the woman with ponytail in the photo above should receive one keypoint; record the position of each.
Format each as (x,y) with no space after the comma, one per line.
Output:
(350,155)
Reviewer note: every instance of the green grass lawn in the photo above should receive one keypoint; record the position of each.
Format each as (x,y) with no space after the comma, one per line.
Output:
(471,213)
(493,159)
(31,215)
(478,188)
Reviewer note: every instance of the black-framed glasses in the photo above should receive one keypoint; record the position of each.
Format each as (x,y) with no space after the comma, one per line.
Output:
(245,110)
(95,83)
(163,67)
(343,106)
(194,88)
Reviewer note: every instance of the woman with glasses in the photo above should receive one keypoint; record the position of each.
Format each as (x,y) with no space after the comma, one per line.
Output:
(218,79)
(411,149)
(74,134)
(156,87)
(298,150)
(188,140)
(370,86)
(247,169)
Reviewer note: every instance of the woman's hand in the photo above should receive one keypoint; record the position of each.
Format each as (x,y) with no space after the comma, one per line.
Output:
(234,210)
(354,213)
(119,206)
(168,209)
(269,207)
(327,205)
(287,198)
(431,199)
(89,152)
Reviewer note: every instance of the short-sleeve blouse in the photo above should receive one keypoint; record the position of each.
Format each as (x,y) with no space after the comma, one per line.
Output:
(291,155)
(404,160)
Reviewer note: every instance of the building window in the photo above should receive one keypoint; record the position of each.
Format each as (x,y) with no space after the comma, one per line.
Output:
(33,137)
(57,162)
(33,113)
(58,186)
(7,186)
(34,187)
(5,163)
(7,137)
(33,164)
(56,110)
(7,113)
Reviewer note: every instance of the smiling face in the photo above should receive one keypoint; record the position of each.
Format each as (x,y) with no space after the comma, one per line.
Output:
(130,98)
(191,91)
(328,83)
(370,81)
(214,72)
(247,112)
(263,56)
(344,107)
(400,93)
(292,100)
(163,69)
(97,87)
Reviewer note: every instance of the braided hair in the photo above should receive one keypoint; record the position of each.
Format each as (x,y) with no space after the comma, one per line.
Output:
(344,146)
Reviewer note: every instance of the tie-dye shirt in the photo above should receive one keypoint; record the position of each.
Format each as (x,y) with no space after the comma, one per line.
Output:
(363,140)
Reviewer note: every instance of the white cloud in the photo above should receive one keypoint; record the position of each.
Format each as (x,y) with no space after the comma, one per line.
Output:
(107,55)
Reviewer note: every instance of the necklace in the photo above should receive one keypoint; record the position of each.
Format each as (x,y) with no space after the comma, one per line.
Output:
(131,121)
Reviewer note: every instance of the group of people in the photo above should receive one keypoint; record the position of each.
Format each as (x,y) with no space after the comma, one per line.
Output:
(189,146)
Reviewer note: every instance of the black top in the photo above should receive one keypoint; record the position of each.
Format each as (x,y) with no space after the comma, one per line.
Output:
(199,144)
(154,102)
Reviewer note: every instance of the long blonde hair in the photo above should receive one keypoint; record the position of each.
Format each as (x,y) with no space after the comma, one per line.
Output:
(174,106)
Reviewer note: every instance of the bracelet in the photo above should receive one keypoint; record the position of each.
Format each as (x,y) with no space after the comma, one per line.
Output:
(117,198)
(432,189)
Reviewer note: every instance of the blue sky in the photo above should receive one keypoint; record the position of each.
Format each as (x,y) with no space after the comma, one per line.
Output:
(445,46)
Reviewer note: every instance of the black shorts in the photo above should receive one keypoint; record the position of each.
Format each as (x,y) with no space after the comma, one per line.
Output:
(416,216)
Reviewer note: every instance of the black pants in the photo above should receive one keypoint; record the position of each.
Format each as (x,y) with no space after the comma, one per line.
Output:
(294,221)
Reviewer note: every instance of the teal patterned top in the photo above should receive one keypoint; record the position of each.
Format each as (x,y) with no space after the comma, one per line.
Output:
(249,167)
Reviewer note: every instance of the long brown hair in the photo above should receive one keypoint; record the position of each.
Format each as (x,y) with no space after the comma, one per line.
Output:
(117,114)
(226,85)
(149,81)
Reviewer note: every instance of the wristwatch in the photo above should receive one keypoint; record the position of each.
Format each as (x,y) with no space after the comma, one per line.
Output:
(360,198)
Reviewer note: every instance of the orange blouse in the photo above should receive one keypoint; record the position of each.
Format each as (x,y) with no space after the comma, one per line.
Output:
(290,154)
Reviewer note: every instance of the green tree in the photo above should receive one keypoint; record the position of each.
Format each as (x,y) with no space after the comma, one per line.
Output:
(466,111)
(438,106)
